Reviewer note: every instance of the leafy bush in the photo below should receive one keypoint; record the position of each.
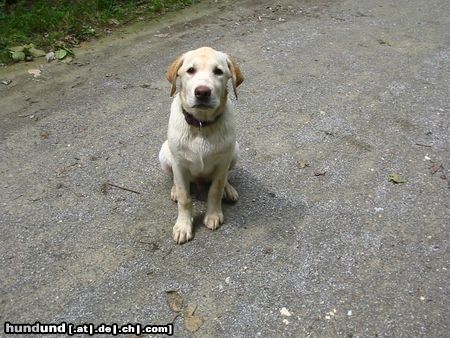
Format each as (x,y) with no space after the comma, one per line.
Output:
(47,23)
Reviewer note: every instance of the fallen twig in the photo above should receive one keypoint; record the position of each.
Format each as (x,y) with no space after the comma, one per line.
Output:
(123,188)
(168,253)
(175,318)
(27,115)
(423,145)
(435,168)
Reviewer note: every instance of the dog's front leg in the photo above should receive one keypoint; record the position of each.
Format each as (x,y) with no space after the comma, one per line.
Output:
(214,215)
(182,231)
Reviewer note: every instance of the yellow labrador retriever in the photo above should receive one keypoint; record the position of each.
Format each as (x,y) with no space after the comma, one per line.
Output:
(201,139)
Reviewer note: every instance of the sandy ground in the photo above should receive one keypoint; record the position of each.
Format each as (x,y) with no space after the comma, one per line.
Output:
(338,95)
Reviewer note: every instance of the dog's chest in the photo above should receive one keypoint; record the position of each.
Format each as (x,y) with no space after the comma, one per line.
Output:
(203,154)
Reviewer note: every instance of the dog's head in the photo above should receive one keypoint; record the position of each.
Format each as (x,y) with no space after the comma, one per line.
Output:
(204,74)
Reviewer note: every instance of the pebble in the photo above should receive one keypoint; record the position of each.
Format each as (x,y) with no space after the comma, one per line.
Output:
(285,312)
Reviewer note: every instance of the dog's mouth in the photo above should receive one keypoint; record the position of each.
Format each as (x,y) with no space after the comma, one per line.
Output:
(203,106)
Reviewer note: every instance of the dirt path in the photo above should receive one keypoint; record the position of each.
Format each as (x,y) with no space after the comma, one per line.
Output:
(337,96)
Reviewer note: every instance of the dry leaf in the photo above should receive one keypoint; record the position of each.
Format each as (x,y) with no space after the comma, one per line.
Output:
(383,42)
(34,72)
(68,59)
(396,178)
(174,300)
(193,323)
(114,22)
(302,164)
(191,309)
(436,167)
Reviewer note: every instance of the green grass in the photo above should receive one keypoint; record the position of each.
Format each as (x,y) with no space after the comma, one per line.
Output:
(48,23)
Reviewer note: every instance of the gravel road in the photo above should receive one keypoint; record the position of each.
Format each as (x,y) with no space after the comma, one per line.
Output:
(338,95)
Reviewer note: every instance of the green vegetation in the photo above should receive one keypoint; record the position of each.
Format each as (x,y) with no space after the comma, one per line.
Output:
(64,23)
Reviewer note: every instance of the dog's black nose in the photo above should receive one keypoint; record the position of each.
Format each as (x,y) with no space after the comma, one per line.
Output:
(202,92)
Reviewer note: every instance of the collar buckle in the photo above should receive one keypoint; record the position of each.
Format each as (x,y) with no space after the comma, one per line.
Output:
(192,121)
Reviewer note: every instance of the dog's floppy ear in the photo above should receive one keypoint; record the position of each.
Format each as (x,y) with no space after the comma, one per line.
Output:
(172,73)
(236,75)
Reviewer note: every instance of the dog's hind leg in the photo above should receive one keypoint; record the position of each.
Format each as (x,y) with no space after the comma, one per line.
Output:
(229,192)
(235,156)
(165,158)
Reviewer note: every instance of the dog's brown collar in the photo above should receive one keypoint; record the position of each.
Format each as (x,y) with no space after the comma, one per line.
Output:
(192,121)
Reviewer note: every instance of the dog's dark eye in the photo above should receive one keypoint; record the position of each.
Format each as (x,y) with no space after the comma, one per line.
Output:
(191,70)
(218,71)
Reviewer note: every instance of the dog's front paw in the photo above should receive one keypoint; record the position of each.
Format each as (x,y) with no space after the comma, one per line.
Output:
(213,220)
(182,232)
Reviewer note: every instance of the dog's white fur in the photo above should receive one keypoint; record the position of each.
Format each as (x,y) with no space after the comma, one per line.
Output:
(208,152)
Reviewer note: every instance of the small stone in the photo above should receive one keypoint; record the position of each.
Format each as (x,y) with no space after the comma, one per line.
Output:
(285,312)
(50,56)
